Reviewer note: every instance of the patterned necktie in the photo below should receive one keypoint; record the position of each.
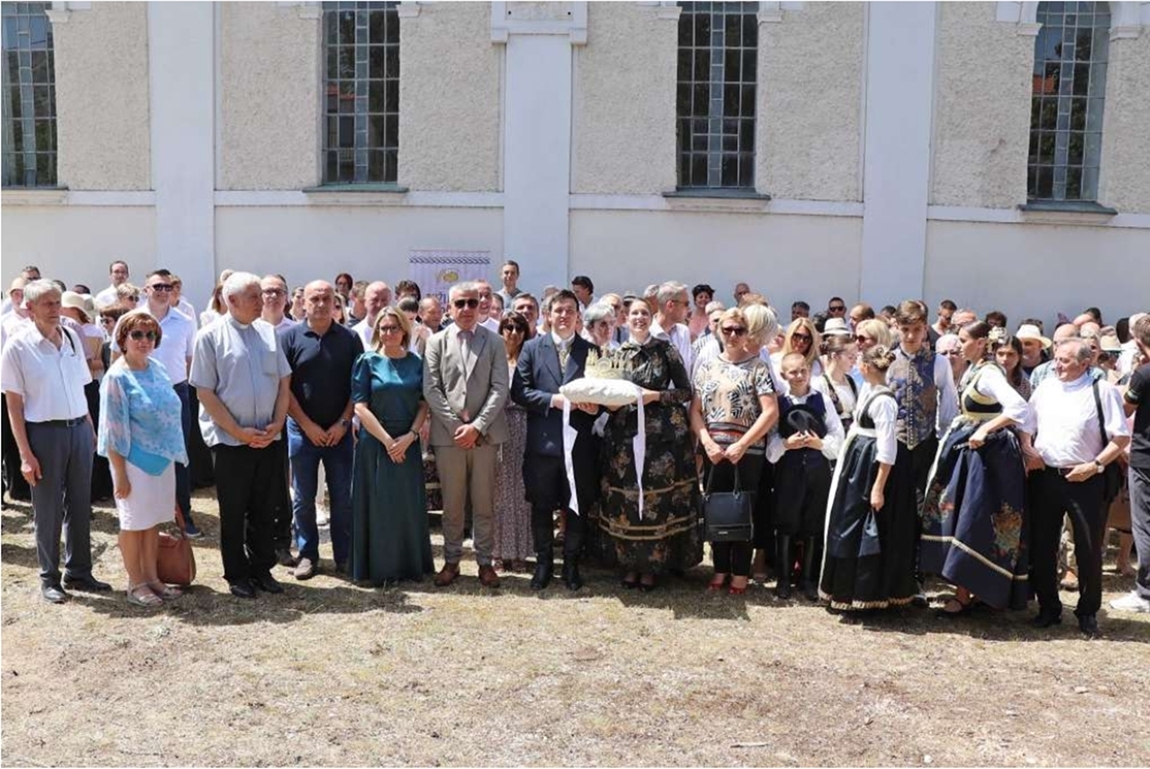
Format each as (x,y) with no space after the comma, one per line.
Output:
(564,356)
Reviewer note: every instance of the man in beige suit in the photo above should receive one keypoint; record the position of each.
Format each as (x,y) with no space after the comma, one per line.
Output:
(465,383)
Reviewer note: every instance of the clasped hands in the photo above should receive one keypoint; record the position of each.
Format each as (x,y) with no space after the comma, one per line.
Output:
(260,439)
(321,437)
(717,454)
(804,440)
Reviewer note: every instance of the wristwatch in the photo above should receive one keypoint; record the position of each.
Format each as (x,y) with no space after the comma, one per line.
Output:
(1101,467)
(345,423)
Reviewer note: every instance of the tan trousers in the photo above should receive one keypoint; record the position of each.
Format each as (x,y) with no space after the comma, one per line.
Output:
(463,474)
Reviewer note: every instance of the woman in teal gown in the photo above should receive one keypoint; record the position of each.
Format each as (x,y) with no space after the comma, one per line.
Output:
(390,539)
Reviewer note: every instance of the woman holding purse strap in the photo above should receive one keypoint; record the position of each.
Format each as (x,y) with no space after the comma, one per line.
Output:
(733,408)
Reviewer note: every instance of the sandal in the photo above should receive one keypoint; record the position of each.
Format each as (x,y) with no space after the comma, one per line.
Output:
(964,607)
(148,598)
(736,589)
(164,592)
(718,583)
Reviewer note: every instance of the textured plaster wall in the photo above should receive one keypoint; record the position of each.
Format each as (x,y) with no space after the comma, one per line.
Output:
(624,101)
(982,109)
(271,97)
(102,130)
(449,118)
(1034,270)
(1125,178)
(76,243)
(810,103)
(620,248)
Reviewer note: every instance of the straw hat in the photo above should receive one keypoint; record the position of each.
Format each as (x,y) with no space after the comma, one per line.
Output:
(1030,331)
(836,327)
(1110,343)
(81,302)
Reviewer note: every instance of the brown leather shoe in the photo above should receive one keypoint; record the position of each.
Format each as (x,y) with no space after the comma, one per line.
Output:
(447,574)
(488,577)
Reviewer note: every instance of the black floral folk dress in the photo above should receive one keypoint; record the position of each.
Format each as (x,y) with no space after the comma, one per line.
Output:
(666,538)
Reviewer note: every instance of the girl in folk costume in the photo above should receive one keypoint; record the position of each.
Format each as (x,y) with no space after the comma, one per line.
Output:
(974,519)
(865,565)
(807,440)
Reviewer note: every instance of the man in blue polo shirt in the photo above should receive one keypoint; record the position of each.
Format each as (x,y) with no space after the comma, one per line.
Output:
(321,354)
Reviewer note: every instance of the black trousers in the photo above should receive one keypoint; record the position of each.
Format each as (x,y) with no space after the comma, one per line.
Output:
(246,483)
(545,478)
(918,462)
(14,482)
(1053,496)
(734,557)
(282,512)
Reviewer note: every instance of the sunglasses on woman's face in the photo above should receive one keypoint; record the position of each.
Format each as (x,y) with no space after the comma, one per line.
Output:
(470,303)
(862,339)
(137,335)
(801,337)
(734,331)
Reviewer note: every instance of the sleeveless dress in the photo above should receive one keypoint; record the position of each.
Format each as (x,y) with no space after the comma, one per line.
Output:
(974,519)
(860,569)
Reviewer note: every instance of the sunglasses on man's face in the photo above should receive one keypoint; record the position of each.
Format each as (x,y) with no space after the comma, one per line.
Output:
(837,308)
(161,287)
(734,331)
(461,303)
(137,335)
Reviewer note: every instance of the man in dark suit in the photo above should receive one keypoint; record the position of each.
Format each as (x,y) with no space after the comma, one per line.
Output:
(547,362)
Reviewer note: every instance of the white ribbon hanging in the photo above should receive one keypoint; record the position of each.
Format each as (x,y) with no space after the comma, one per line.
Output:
(638,444)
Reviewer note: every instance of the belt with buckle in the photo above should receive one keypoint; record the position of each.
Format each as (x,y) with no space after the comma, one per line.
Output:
(61,422)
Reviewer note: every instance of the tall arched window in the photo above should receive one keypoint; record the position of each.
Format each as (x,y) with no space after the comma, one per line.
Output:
(715,105)
(361,92)
(1070,57)
(28,97)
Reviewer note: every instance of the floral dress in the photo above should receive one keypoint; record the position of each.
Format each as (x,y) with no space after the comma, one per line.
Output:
(665,537)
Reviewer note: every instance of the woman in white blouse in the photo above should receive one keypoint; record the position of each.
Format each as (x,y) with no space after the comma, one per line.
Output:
(974,517)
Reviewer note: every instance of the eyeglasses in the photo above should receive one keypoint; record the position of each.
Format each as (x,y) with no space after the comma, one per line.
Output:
(274,292)
(861,338)
(161,287)
(469,303)
(837,308)
(133,297)
(137,335)
(388,329)
(734,331)
(801,337)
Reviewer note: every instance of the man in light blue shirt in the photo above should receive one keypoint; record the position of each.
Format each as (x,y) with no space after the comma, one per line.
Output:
(242,378)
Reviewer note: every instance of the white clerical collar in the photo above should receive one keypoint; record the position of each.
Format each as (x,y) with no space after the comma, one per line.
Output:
(235,323)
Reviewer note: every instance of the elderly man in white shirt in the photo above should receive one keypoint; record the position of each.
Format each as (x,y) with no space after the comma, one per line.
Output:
(1068,456)
(44,372)
(673,308)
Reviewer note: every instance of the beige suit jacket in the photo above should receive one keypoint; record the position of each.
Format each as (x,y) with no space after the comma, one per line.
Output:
(472,391)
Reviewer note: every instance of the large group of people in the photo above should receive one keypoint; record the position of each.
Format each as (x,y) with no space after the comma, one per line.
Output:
(878,448)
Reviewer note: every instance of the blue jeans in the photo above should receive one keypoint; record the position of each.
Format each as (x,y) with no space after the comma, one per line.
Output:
(183,478)
(337,463)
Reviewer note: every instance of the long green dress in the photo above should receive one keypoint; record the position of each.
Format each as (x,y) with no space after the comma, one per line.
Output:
(390,539)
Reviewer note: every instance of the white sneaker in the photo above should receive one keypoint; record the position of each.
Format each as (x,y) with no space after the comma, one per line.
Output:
(1131,602)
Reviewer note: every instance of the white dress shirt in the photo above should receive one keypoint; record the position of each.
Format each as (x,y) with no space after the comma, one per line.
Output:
(50,380)
(680,337)
(1064,420)
(832,441)
(490,324)
(106,297)
(365,331)
(176,346)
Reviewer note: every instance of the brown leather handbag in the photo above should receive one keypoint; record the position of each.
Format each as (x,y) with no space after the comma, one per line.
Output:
(176,564)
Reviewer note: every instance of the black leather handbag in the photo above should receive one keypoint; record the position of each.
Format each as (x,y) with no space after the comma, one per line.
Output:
(727,514)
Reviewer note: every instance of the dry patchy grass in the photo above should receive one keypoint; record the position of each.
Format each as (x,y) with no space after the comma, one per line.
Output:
(335,674)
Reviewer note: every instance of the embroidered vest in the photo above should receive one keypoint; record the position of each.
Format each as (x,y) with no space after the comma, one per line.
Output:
(912,380)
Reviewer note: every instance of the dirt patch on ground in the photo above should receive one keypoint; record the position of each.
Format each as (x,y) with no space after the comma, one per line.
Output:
(335,674)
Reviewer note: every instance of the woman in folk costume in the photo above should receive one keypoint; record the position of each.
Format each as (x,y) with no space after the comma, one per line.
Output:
(974,518)
(865,565)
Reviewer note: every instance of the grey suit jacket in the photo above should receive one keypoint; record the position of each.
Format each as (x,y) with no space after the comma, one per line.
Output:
(462,392)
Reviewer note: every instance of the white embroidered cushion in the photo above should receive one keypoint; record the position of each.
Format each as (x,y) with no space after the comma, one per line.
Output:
(602,392)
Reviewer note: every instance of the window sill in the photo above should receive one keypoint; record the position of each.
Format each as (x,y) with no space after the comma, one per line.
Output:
(356,195)
(34,196)
(1066,212)
(716,200)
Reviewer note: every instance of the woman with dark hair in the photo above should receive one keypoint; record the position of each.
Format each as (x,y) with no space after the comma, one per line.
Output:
(513,543)
(343,284)
(702,295)
(839,354)
(864,566)
(1008,355)
(657,533)
(974,521)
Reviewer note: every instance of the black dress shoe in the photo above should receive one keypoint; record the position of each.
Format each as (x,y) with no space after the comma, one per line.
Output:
(544,570)
(571,577)
(53,593)
(266,583)
(1088,624)
(285,558)
(1044,620)
(88,584)
(242,589)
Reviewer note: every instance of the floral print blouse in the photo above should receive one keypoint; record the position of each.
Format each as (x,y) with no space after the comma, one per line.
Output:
(729,396)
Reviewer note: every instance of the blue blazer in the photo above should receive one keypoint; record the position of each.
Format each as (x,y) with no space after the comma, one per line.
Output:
(537,378)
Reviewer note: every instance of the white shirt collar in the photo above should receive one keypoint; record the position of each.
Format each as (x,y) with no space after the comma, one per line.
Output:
(560,341)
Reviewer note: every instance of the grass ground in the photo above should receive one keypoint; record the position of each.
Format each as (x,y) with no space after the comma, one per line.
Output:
(335,674)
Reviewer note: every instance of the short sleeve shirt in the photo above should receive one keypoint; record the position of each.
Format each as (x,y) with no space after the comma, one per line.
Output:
(243,364)
(729,395)
(321,369)
(1139,395)
(50,379)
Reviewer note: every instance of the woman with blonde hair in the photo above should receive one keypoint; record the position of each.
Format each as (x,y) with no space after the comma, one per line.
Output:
(801,337)
(390,539)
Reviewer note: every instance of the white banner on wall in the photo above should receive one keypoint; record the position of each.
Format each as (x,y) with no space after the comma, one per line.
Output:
(437,271)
